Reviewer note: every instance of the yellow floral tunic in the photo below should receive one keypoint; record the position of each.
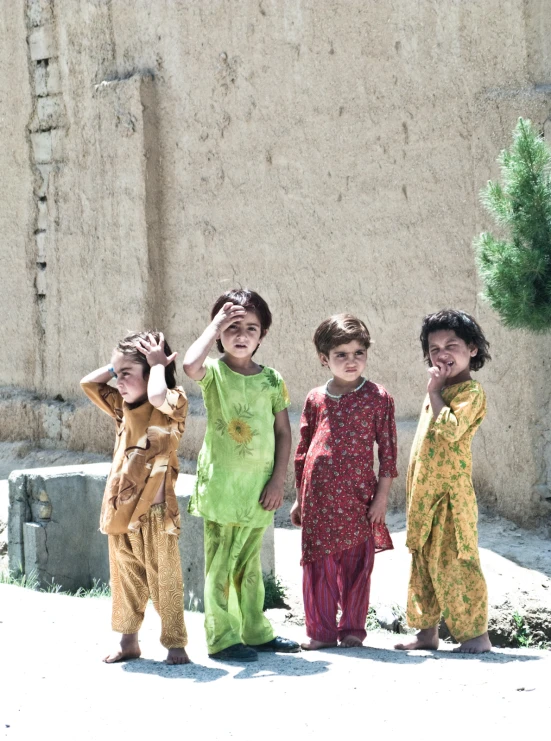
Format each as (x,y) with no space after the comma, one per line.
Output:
(237,457)
(145,455)
(440,468)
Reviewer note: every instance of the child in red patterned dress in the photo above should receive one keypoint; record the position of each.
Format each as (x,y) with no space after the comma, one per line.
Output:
(341,503)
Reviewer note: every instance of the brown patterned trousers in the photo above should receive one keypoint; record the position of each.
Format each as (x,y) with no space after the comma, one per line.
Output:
(147,564)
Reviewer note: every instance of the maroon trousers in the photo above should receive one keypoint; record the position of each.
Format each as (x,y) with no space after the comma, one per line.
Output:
(340,580)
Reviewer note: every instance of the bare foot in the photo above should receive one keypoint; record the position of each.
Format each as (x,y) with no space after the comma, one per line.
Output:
(129,649)
(426,639)
(479,645)
(177,656)
(351,642)
(312,645)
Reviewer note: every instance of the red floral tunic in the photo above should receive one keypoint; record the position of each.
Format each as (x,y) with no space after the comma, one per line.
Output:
(334,468)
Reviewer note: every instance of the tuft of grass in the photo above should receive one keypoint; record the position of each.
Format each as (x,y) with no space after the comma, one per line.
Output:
(522,635)
(275,592)
(32,581)
(19,579)
(371,621)
(98,589)
(193,604)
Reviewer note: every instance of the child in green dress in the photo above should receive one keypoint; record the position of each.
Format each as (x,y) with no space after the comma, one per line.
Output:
(240,473)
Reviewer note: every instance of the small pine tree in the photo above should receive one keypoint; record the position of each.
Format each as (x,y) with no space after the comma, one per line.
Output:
(516,272)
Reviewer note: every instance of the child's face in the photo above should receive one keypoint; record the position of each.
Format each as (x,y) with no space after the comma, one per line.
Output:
(131,383)
(241,338)
(346,362)
(447,349)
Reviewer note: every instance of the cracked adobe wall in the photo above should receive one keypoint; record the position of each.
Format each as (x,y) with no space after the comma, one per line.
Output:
(328,154)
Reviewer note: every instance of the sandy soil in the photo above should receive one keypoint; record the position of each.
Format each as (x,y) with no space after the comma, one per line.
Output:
(56,686)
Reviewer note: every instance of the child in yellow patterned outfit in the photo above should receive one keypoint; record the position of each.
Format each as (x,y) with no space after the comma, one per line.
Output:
(139,512)
(446,577)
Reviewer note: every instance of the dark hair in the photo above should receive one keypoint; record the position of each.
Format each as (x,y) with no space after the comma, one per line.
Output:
(464,326)
(340,329)
(127,346)
(250,301)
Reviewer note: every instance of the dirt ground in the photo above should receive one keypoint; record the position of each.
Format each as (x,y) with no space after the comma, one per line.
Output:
(57,687)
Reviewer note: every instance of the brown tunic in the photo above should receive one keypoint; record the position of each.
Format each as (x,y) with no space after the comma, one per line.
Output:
(144,456)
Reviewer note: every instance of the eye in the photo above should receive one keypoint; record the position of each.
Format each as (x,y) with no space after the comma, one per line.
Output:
(360,353)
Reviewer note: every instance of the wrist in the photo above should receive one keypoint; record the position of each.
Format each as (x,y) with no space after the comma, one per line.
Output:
(110,369)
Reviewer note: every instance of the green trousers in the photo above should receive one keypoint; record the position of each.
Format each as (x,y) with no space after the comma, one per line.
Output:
(234,590)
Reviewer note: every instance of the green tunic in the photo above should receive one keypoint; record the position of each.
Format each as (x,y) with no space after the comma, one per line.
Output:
(237,457)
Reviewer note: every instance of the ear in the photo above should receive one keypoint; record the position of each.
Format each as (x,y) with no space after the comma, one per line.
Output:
(474,350)
(324,360)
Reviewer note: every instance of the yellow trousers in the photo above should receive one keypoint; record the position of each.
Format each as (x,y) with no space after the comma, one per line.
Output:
(443,585)
(147,564)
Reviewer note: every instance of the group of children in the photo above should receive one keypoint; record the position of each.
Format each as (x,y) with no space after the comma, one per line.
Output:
(341,502)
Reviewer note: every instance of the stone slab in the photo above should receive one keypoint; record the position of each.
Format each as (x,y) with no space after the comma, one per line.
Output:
(53,519)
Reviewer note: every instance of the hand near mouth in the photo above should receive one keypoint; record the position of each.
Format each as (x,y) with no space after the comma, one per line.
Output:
(438,375)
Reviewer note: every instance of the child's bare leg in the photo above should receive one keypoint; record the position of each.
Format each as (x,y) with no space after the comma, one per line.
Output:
(479,645)
(313,645)
(426,639)
(177,656)
(129,649)
(351,642)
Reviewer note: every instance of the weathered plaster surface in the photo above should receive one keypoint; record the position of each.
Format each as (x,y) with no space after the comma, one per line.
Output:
(327,154)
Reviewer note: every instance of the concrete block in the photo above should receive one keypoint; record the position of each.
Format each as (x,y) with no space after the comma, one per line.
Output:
(44,172)
(42,219)
(58,144)
(50,111)
(35,549)
(40,79)
(39,12)
(53,78)
(42,146)
(53,529)
(40,282)
(48,145)
(18,514)
(41,246)
(42,43)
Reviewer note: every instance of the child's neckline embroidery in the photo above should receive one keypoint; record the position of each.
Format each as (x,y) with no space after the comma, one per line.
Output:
(339,396)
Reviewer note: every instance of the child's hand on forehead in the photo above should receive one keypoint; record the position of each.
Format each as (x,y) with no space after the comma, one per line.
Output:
(155,351)
(228,314)
(438,375)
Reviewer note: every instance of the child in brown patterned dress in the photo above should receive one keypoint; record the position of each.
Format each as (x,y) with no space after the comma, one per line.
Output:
(139,512)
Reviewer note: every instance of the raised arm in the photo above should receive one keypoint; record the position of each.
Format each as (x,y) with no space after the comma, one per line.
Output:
(100,375)
(96,387)
(158,360)
(194,359)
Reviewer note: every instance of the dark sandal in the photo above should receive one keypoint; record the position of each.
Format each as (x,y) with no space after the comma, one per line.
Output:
(279,644)
(237,652)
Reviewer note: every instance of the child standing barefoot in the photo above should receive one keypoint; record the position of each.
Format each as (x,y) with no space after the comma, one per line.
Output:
(139,512)
(341,504)
(240,473)
(446,577)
